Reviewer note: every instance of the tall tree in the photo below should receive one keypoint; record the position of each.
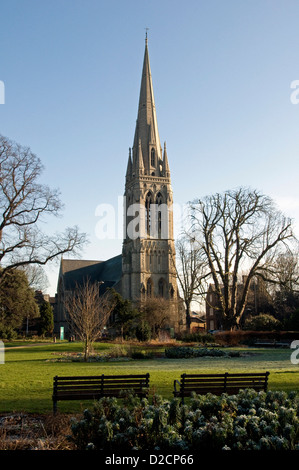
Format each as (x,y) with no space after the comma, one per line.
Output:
(88,313)
(237,230)
(24,202)
(46,320)
(285,278)
(155,311)
(36,276)
(191,270)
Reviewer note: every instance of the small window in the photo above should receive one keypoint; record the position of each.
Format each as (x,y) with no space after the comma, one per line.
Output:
(153,158)
(148,202)
(159,200)
(149,288)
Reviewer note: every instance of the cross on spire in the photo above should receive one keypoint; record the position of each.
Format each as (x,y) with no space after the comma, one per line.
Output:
(146,30)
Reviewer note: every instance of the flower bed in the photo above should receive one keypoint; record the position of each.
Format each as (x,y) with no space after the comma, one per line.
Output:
(247,421)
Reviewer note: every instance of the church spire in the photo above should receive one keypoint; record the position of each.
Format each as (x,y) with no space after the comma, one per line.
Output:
(146,126)
(129,166)
(165,166)
(139,166)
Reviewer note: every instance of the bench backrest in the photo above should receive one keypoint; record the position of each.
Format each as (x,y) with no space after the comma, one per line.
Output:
(222,383)
(94,386)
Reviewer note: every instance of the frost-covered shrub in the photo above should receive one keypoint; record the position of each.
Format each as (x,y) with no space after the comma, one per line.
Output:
(183,352)
(249,420)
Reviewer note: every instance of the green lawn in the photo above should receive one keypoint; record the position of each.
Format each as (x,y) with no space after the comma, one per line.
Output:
(26,377)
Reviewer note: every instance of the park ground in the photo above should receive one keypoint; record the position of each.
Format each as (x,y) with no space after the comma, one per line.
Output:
(26,382)
(26,377)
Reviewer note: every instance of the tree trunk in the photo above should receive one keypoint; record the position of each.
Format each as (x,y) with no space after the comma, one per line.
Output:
(86,350)
(188,317)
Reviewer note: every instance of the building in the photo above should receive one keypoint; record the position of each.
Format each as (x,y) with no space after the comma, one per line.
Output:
(146,267)
(258,301)
(198,322)
(148,262)
(73,273)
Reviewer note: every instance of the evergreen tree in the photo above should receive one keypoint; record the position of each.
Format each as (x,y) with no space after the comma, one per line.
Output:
(124,315)
(46,321)
(17,302)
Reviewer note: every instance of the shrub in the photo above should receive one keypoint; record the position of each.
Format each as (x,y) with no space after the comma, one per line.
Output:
(7,332)
(202,338)
(249,420)
(143,331)
(183,352)
(262,322)
(136,354)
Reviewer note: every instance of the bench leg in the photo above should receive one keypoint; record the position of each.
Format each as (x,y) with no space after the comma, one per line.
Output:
(54,407)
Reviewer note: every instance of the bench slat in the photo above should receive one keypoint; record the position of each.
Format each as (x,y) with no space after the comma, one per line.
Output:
(219,383)
(95,387)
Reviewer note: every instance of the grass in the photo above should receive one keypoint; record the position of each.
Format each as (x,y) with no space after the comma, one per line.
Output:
(26,377)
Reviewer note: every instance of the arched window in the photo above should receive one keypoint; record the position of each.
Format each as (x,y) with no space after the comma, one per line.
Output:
(161,287)
(149,287)
(153,158)
(148,202)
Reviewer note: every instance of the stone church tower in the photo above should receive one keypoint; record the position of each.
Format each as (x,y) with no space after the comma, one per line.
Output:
(148,256)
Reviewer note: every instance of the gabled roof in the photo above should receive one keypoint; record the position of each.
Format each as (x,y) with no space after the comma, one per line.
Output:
(75,272)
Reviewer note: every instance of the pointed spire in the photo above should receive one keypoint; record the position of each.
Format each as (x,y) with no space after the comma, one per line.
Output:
(129,166)
(146,125)
(166,171)
(139,165)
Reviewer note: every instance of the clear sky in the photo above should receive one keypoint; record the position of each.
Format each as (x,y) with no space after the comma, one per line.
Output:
(222,74)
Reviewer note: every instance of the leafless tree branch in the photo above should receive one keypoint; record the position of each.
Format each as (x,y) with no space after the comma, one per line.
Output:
(24,204)
(239,229)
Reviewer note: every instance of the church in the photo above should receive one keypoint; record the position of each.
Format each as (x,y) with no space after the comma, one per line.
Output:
(146,266)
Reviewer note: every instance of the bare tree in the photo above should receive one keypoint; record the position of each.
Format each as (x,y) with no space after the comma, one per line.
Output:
(191,271)
(285,285)
(88,313)
(286,272)
(23,204)
(37,278)
(239,229)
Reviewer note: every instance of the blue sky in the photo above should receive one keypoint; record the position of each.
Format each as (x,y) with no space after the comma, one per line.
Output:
(222,74)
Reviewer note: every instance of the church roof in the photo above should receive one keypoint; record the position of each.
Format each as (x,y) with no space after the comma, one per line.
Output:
(75,272)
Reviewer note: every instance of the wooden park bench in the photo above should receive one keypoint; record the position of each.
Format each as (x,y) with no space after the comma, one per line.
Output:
(272,343)
(95,387)
(217,384)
